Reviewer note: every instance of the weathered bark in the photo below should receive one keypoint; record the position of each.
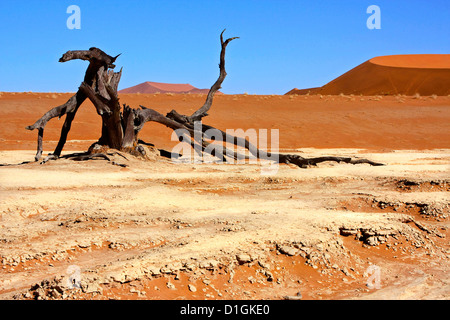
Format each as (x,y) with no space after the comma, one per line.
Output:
(120,128)
(97,59)
(106,102)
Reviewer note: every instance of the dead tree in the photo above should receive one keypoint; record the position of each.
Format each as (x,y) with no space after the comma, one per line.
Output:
(120,127)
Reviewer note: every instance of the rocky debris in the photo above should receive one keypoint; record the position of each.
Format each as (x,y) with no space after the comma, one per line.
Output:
(119,276)
(91,287)
(56,289)
(369,236)
(267,274)
(232,228)
(138,292)
(264,264)
(316,254)
(209,264)
(435,209)
(371,241)
(410,185)
(154,271)
(348,232)
(423,227)
(172,268)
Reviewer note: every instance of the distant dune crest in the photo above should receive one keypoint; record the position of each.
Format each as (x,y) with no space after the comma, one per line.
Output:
(424,74)
(159,87)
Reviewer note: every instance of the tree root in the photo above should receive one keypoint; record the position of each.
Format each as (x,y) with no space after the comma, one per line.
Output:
(84,156)
(305,162)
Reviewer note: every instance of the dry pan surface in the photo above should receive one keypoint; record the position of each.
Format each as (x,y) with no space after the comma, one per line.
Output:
(158,230)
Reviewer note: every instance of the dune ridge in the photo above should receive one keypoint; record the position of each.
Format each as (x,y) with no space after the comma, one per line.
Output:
(424,74)
(149,87)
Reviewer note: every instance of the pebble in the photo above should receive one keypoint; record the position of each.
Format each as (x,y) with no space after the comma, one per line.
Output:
(192,288)
(290,251)
(170,286)
(243,258)
(298,296)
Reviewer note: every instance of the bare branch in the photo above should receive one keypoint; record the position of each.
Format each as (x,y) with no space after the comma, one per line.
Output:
(203,111)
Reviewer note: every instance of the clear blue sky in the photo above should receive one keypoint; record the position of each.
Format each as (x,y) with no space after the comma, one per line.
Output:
(283,43)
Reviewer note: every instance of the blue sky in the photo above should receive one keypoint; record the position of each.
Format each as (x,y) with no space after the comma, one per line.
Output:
(283,44)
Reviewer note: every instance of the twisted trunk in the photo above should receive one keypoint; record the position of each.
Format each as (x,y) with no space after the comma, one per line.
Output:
(120,128)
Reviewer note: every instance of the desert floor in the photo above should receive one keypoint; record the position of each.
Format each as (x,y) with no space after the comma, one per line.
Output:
(163,230)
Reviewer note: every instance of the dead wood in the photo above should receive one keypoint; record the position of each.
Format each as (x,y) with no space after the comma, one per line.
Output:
(121,127)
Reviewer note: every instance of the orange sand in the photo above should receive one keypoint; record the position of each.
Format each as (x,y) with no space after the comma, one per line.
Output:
(303,121)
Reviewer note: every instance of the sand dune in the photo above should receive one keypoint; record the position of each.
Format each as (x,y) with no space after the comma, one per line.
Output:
(424,74)
(155,87)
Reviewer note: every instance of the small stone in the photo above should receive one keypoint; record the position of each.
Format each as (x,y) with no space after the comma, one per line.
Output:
(92,287)
(345,271)
(348,232)
(243,258)
(372,241)
(192,288)
(170,286)
(154,271)
(209,264)
(298,296)
(290,251)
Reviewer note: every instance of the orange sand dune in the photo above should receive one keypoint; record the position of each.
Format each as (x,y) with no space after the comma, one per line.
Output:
(425,61)
(159,87)
(302,91)
(424,74)
(303,121)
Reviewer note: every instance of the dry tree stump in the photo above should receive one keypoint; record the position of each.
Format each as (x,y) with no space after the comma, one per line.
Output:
(121,125)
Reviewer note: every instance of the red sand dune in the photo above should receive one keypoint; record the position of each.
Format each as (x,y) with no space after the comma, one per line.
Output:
(155,87)
(302,91)
(424,74)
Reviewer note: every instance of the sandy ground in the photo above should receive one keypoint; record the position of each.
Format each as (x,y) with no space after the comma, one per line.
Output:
(160,230)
